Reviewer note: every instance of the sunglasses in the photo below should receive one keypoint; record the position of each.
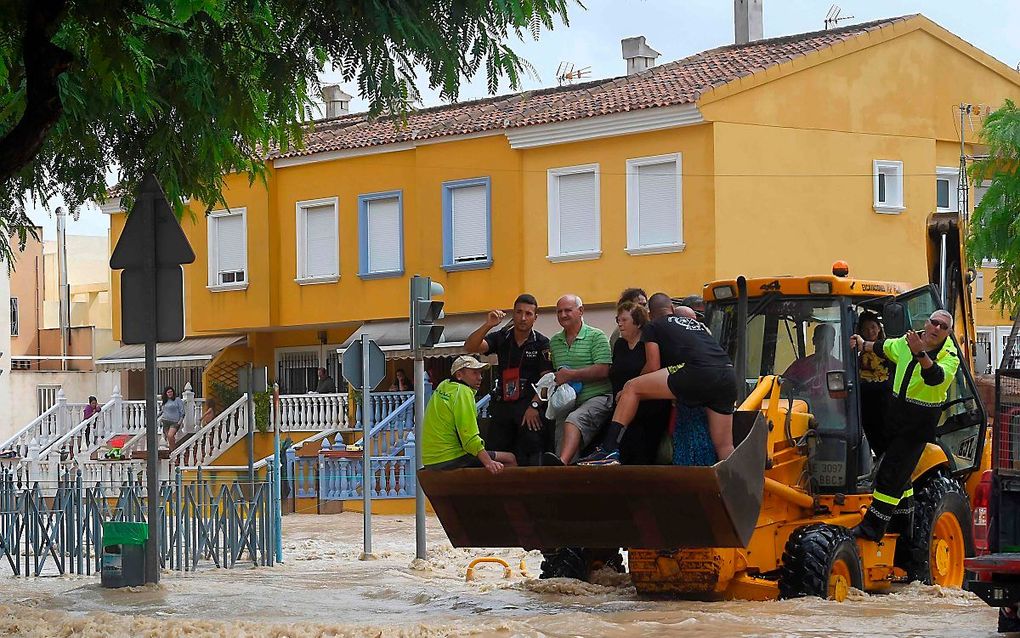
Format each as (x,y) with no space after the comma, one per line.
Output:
(939,324)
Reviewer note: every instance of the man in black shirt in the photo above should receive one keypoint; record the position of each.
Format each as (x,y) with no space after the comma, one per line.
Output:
(685,363)
(516,424)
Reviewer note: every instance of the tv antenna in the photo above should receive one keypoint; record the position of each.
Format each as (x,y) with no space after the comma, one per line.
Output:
(832,18)
(566,73)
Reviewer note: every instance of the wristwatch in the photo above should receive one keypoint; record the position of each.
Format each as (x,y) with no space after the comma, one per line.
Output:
(535,404)
(920,355)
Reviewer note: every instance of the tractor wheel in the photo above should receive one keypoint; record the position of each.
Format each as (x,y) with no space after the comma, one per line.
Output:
(579,563)
(820,560)
(941,536)
(565,562)
(1008,623)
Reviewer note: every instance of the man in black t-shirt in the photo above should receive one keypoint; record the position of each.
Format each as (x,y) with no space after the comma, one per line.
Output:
(688,365)
(515,420)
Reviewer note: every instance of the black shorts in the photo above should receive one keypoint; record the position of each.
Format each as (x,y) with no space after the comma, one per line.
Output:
(712,388)
(458,463)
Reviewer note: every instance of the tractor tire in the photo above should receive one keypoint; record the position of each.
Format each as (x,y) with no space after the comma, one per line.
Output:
(579,563)
(1008,624)
(820,560)
(942,535)
(564,562)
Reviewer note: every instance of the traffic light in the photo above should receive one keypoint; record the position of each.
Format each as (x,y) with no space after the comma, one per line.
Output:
(424,313)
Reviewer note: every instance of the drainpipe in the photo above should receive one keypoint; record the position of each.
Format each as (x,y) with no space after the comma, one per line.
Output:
(62,289)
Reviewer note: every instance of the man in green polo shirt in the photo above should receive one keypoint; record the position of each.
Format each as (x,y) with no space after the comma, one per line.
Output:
(449,437)
(581,355)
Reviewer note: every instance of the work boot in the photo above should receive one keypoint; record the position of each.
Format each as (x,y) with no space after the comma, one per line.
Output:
(875,522)
(902,522)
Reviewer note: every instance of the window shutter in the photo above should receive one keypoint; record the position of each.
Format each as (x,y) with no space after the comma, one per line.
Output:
(470,222)
(658,205)
(577,212)
(320,241)
(383,234)
(230,243)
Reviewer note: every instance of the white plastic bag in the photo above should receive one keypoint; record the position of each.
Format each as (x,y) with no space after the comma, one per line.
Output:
(561,402)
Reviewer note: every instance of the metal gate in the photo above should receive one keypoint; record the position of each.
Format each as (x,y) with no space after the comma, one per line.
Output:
(57,530)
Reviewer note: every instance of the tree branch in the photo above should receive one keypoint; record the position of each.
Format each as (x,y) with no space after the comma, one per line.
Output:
(44,62)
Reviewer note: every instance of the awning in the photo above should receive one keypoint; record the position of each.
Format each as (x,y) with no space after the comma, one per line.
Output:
(392,336)
(193,352)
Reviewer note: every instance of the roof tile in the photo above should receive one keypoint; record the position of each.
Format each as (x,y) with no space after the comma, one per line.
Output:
(680,82)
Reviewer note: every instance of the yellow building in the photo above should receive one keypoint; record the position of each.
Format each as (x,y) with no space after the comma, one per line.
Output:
(773,157)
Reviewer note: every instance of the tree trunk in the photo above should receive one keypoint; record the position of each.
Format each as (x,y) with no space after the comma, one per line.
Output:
(44,62)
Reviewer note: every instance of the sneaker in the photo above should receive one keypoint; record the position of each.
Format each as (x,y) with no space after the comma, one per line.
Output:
(550,459)
(601,457)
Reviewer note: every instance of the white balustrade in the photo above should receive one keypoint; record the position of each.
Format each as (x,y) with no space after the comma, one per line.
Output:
(214,439)
(313,412)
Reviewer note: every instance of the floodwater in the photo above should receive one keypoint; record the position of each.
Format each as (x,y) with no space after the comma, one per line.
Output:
(324,589)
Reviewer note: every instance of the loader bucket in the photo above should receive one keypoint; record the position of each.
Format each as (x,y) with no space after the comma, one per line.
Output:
(646,506)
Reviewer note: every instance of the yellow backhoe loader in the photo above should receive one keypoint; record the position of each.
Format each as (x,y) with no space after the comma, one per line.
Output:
(772,520)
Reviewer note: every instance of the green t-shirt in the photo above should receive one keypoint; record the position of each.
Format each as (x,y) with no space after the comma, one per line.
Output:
(589,348)
(450,426)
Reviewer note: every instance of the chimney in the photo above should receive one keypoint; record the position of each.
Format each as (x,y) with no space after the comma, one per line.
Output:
(747,21)
(337,102)
(639,56)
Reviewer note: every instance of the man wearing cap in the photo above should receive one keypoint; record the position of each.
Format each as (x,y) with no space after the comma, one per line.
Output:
(450,438)
(522,353)
(926,364)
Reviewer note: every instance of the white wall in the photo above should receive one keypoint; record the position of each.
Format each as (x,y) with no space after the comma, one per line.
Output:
(77,386)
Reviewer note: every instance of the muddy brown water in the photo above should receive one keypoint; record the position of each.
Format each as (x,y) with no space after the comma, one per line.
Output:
(323,589)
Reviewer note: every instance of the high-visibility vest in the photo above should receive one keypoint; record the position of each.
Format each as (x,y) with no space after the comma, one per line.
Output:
(908,368)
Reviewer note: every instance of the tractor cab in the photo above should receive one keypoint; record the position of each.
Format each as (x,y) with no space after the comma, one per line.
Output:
(799,328)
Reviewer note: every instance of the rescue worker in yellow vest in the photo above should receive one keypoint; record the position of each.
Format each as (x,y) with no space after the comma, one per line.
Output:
(926,365)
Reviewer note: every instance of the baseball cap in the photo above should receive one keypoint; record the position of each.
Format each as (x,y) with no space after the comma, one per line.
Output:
(466,361)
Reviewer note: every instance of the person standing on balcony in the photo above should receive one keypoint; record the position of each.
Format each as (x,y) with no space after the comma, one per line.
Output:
(91,409)
(326,384)
(171,416)
(450,439)
(522,355)
(400,382)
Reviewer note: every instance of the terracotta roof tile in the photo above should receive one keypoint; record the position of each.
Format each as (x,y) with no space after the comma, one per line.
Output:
(670,84)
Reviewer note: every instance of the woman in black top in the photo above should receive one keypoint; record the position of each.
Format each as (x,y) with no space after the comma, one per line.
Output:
(639,445)
(876,375)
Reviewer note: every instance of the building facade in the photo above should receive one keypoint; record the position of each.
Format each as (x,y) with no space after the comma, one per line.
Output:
(774,157)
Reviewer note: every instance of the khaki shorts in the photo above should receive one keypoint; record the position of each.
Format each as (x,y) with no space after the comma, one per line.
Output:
(589,417)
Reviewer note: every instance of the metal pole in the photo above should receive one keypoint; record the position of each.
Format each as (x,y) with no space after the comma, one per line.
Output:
(277,468)
(64,301)
(251,427)
(366,455)
(151,439)
(419,414)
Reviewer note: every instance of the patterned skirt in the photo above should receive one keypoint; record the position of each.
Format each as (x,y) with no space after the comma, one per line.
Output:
(691,443)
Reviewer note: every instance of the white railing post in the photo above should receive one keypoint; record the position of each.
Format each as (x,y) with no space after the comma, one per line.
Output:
(117,411)
(63,415)
(189,404)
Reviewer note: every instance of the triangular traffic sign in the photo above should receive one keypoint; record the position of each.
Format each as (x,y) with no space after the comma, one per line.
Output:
(151,207)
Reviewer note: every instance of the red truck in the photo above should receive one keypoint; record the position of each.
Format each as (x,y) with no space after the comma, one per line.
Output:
(994,573)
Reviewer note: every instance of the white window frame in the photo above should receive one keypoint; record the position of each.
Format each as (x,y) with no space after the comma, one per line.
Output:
(952,175)
(15,318)
(553,191)
(979,285)
(300,218)
(212,242)
(633,207)
(894,169)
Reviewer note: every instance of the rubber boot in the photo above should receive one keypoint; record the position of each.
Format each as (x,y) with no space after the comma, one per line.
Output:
(875,522)
(902,522)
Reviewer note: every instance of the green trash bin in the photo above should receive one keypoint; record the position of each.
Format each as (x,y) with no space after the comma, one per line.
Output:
(124,554)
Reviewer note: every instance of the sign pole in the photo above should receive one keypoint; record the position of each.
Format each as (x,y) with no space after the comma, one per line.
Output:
(278,469)
(251,427)
(419,415)
(366,454)
(151,379)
